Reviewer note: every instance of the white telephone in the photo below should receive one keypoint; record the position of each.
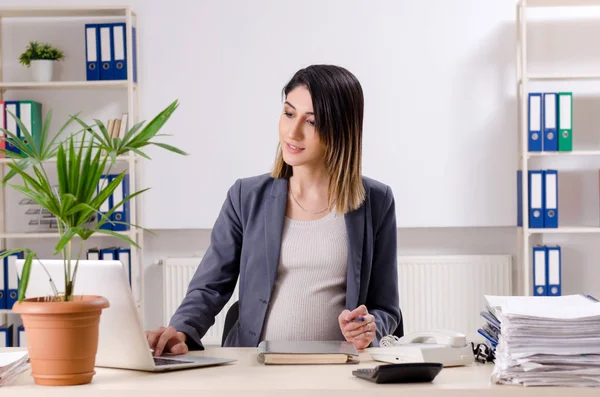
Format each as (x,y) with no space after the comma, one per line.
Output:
(449,348)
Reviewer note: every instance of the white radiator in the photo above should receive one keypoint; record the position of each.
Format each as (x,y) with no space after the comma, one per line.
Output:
(177,274)
(445,291)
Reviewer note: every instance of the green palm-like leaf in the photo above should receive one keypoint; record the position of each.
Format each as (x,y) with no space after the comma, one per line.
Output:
(120,236)
(24,279)
(23,164)
(65,239)
(169,148)
(32,151)
(83,157)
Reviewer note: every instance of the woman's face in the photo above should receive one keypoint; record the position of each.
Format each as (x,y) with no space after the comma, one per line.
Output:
(300,142)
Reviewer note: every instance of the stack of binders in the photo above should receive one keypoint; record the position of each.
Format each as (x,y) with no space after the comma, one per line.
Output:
(547,275)
(112,253)
(543,199)
(106,51)
(550,122)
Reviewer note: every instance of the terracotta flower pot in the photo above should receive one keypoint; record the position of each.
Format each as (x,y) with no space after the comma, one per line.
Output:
(62,338)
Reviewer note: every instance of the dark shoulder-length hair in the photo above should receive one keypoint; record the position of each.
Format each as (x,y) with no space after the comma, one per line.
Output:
(338,103)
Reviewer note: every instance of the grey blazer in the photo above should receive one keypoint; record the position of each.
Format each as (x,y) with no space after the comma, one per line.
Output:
(246,240)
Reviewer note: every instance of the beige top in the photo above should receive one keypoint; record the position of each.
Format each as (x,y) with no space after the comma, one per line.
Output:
(310,288)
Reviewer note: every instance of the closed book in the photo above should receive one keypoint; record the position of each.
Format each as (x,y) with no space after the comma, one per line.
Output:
(306,352)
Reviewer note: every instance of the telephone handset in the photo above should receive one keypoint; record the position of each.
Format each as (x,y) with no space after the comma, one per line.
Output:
(441,337)
(444,346)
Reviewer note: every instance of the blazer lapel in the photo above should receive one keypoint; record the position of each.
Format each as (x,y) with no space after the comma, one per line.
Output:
(274,217)
(355,228)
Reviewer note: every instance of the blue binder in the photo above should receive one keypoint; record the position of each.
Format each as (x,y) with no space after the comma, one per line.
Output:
(107,52)
(550,122)
(6,332)
(551,198)
(536,199)
(540,255)
(92,51)
(124,255)
(11,123)
(535,122)
(121,214)
(120,51)
(134,47)
(519,198)
(12,278)
(554,270)
(108,204)
(109,254)
(21,337)
(3,288)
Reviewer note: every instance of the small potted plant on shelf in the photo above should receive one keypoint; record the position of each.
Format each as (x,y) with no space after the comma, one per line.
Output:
(65,355)
(41,58)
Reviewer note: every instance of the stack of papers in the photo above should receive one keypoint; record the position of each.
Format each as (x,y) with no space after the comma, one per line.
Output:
(11,365)
(547,341)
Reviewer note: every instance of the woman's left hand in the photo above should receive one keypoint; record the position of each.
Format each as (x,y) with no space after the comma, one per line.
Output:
(360,333)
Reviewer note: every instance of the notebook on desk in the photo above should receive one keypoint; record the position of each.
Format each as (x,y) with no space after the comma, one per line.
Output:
(306,352)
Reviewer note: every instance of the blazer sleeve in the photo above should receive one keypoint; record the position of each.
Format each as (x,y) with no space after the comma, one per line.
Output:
(214,281)
(382,298)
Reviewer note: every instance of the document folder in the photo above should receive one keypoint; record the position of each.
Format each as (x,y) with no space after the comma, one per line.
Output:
(92,51)
(11,123)
(550,121)
(535,122)
(551,198)
(565,121)
(536,199)
(539,270)
(554,271)
(106,52)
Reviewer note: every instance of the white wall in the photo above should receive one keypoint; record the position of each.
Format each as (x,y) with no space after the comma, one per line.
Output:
(581,270)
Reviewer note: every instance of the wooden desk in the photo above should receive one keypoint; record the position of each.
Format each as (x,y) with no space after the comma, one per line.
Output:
(246,378)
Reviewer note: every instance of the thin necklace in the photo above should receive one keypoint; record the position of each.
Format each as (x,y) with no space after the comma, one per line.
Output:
(305,210)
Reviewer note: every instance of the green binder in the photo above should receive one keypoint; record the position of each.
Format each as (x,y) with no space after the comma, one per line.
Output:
(30,113)
(565,121)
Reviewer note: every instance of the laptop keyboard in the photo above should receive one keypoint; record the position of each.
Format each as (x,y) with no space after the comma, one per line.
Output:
(168,361)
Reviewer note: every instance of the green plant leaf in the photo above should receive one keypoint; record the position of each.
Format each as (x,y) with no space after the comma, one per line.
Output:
(156,124)
(117,235)
(61,168)
(129,135)
(169,148)
(64,240)
(43,137)
(62,129)
(33,151)
(24,279)
(140,153)
(16,141)
(21,165)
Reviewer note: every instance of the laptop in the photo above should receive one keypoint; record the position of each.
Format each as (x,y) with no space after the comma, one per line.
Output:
(122,341)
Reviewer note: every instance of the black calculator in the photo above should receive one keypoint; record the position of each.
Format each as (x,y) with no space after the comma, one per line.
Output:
(400,373)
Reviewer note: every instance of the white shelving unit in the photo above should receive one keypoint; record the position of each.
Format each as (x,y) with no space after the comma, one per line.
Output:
(524,77)
(120,87)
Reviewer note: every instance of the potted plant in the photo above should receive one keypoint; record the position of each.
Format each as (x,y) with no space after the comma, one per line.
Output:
(80,158)
(41,58)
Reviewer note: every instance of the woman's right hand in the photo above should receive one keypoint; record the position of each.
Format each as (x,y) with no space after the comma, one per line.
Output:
(167,340)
